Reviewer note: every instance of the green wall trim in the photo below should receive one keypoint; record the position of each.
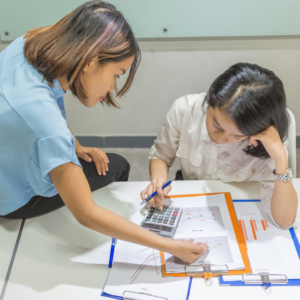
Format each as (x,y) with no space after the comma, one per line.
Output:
(167,18)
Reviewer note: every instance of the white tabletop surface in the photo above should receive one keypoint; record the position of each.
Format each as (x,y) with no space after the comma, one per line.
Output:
(44,269)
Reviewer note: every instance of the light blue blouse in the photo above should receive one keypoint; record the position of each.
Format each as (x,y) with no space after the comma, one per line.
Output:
(34,137)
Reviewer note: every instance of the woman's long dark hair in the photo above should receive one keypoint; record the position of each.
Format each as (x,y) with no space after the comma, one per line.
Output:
(254,98)
(94,29)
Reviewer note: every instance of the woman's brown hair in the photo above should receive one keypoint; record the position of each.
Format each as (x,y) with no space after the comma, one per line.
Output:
(94,29)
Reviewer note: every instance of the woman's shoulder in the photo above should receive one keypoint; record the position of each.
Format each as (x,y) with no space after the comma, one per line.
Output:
(27,94)
(187,111)
(19,81)
(190,101)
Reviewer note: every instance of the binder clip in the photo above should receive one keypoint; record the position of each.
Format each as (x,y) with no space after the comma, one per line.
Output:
(207,270)
(130,295)
(266,279)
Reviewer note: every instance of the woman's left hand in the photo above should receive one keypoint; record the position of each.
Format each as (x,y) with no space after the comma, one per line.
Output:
(93,154)
(271,140)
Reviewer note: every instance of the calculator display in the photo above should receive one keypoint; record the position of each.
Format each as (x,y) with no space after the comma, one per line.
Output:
(158,227)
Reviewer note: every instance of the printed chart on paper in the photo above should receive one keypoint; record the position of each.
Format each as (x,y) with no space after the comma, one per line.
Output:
(198,219)
(270,249)
(138,268)
(218,252)
(256,230)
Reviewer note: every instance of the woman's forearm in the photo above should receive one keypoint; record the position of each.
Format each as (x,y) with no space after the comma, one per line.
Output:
(284,200)
(111,224)
(158,169)
(73,187)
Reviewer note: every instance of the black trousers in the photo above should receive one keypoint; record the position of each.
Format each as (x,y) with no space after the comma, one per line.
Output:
(118,170)
(179,175)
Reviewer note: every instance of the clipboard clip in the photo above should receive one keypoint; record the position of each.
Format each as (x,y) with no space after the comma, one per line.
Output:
(131,295)
(206,269)
(265,278)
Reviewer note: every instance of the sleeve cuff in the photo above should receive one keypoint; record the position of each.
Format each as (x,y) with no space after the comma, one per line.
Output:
(49,153)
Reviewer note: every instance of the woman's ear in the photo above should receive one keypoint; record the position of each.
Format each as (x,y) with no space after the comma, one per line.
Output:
(90,64)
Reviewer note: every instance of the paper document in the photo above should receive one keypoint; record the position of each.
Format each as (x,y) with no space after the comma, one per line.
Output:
(135,254)
(100,255)
(270,249)
(198,219)
(140,296)
(218,253)
(137,268)
(206,219)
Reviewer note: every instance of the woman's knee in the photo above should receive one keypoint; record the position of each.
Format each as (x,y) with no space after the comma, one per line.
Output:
(119,163)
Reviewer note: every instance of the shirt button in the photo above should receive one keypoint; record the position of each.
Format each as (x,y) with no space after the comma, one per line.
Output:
(237,176)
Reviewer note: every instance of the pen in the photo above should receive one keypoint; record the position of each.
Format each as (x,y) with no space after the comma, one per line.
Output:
(112,250)
(155,193)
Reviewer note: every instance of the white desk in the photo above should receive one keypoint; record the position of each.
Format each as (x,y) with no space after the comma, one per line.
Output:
(43,269)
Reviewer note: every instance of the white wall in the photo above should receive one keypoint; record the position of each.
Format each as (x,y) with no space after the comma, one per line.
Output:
(170,69)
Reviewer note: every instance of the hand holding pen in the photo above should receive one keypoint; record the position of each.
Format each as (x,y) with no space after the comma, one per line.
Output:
(156,192)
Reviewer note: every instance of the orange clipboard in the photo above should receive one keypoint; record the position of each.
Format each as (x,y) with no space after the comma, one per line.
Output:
(238,234)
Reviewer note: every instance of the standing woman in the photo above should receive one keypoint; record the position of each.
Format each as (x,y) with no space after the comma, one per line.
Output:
(39,167)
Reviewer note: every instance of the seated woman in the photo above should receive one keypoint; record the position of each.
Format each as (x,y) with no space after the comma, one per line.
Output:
(235,132)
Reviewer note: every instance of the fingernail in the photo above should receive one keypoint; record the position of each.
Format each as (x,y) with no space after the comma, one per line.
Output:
(160,207)
(99,173)
(107,169)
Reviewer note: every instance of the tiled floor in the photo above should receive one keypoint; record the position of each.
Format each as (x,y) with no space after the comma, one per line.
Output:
(138,159)
(9,230)
(139,163)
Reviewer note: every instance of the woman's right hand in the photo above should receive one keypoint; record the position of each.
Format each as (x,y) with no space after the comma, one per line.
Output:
(186,250)
(156,185)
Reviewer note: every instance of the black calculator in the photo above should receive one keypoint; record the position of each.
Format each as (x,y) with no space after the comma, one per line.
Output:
(162,222)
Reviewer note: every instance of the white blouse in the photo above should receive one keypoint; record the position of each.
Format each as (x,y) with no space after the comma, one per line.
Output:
(184,135)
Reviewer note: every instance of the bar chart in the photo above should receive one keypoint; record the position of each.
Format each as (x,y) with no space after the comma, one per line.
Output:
(270,249)
(251,226)
(256,231)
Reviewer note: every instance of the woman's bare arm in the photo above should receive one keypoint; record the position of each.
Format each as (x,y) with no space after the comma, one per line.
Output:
(74,189)
(284,199)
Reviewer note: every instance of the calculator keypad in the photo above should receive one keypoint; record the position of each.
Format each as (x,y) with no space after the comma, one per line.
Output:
(168,215)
